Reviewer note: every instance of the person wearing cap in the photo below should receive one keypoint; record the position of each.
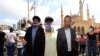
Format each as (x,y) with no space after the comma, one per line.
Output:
(48,24)
(2,39)
(35,39)
(50,45)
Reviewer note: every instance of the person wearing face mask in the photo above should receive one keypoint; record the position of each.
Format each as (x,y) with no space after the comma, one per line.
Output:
(92,40)
(48,24)
(50,45)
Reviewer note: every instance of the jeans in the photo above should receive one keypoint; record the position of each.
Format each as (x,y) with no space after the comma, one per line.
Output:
(82,49)
(71,53)
(92,48)
(11,49)
(20,51)
(98,50)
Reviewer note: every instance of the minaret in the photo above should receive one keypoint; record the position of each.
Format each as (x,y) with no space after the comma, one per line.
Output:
(93,20)
(88,14)
(81,9)
(70,13)
(62,16)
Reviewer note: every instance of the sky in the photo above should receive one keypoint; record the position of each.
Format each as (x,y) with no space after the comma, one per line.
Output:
(11,11)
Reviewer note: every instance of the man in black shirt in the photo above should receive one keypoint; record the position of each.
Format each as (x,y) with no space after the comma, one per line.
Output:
(2,35)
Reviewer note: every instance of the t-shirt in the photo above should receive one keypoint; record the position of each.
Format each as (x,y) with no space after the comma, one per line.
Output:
(91,36)
(21,34)
(82,40)
(10,37)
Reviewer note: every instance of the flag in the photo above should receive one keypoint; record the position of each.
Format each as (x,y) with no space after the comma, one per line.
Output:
(32,7)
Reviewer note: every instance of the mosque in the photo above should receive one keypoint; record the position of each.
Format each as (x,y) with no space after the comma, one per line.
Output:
(79,24)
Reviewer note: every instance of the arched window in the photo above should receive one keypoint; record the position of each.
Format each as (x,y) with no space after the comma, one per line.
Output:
(75,28)
(79,29)
(83,30)
(99,27)
(95,27)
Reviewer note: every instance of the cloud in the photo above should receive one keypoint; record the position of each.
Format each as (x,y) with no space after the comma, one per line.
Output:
(17,9)
(8,21)
(41,12)
(95,8)
(13,8)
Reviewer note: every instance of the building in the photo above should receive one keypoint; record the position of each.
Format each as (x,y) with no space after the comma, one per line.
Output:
(22,21)
(79,24)
(5,27)
(14,26)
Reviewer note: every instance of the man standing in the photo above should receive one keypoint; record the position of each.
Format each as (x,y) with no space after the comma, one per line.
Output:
(50,45)
(2,35)
(67,44)
(35,39)
(21,33)
(11,42)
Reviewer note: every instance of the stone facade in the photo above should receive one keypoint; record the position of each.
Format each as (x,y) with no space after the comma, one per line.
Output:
(5,27)
(79,24)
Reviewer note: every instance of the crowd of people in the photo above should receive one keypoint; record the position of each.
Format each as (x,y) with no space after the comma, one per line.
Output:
(39,41)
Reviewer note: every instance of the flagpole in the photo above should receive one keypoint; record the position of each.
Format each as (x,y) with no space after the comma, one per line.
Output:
(28,8)
(28,14)
(34,7)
